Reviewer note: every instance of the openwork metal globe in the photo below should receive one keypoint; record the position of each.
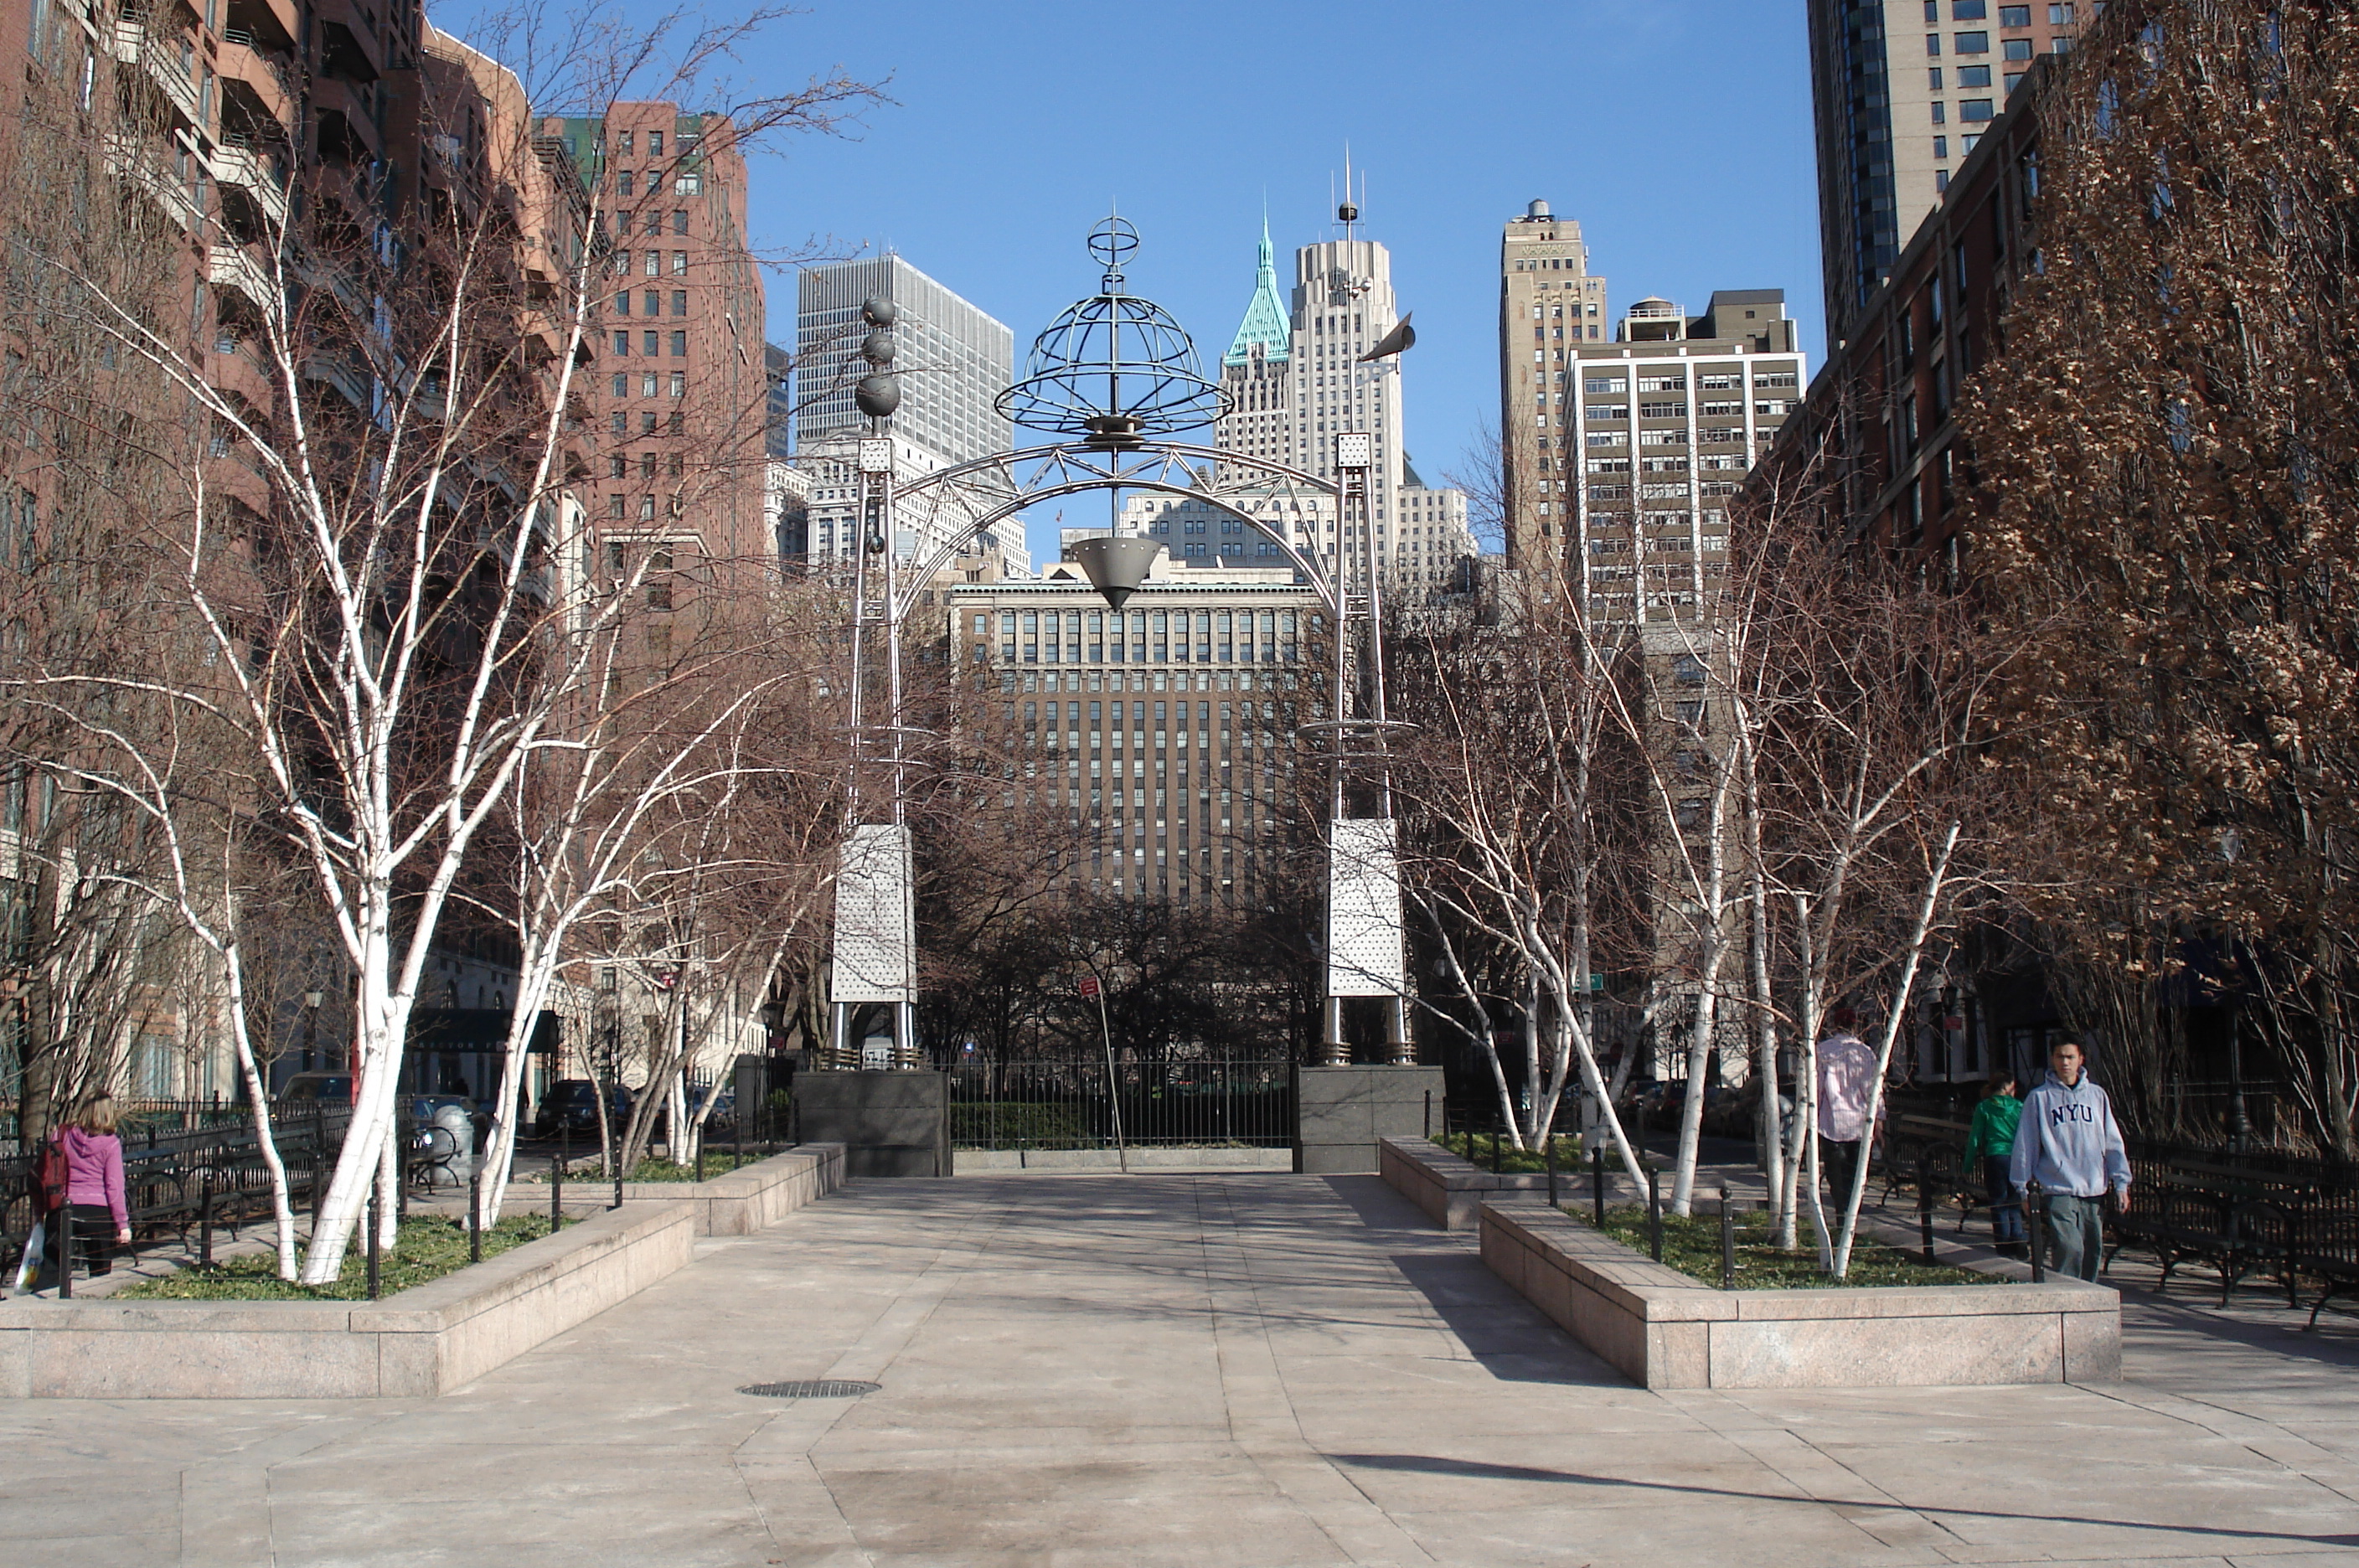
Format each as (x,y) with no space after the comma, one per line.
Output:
(1114,369)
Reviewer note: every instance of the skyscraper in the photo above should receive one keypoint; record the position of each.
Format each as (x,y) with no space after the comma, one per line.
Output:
(954,360)
(1623,441)
(1901,91)
(1295,378)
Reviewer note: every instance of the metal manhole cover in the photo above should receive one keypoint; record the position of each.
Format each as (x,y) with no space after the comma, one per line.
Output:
(811,1388)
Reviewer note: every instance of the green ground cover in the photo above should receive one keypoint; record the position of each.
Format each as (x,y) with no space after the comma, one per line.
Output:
(718,1161)
(431,1245)
(1692,1246)
(1512,1161)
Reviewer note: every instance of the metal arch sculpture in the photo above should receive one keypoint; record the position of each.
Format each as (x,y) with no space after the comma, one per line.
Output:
(1035,474)
(1124,439)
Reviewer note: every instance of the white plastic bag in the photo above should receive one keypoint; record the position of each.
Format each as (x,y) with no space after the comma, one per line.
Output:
(30,1268)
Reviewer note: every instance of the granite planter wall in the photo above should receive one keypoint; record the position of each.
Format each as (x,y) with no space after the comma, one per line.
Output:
(418,1344)
(1452,1190)
(1664,1330)
(752,1196)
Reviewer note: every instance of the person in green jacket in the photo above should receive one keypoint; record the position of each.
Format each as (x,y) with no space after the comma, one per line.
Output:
(1992,1141)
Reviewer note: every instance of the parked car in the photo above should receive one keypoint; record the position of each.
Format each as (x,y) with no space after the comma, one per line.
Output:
(725,1108)
(333,1088)
(571,1106)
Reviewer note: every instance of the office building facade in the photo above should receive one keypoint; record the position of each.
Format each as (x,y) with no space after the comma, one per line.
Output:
(953,361)
(1901,91)
(1162,730)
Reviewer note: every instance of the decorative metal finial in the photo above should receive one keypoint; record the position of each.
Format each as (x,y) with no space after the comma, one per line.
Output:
(1112,243)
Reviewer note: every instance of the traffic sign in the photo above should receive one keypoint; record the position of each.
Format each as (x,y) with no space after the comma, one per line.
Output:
(1089,985)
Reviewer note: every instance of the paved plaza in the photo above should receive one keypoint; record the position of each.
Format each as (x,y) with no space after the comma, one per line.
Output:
(1223,1369)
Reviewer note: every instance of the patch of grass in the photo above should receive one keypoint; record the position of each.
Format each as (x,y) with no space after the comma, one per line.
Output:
(1692,1246)
(430,1247)
(717,1162)
(1513,1162)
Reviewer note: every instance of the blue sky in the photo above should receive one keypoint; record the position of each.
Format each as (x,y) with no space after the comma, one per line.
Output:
(1677,132)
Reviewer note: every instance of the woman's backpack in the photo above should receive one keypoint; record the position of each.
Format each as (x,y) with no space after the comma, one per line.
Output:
(51,1176)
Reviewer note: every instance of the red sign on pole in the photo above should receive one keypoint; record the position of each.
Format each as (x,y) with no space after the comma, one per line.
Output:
(1089,985)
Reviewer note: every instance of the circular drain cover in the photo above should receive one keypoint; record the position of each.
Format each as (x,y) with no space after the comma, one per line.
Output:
(811,1388)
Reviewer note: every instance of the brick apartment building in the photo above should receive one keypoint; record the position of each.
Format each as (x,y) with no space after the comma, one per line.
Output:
(680,388)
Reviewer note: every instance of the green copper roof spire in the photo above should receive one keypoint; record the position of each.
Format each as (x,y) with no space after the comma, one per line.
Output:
(1265,321)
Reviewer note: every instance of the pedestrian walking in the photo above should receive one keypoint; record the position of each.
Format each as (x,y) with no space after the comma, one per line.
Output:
(1846,1083)
(1991,1141)
(2070,1143)
(95,1205)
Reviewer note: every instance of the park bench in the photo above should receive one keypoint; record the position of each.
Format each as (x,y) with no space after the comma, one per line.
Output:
(2180,1212)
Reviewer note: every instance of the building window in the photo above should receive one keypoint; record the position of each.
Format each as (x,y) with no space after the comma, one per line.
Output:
(623,303)
(680,223)
(1973,76)
(2018,49)
(679,301)
(2015,15)
(622,344)
(647,343)
(654,263)
(679,422)
(1940,146)
(2059,16)
(1942,181)
(620,422)
(2014,81)
(1933,45)
(622,182)
(1974,111)
(614,509)
(647,508)
(1969,10)
(679,344)
(621,384)
(1933,78)
(1940,113)
(680,384)
(680,263)
(1972,43)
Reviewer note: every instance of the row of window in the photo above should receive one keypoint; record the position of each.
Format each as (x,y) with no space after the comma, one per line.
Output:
(1141,681)
(1717,381)
(684,182)
(651,384)
(2060,13)
(653,303)
(651,345)
(675,423)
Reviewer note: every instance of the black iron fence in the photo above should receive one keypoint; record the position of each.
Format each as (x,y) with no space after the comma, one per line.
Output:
(1070,1101)
(195,1172)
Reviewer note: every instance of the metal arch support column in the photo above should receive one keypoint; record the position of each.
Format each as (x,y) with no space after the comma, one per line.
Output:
(876,523)
(1354,462)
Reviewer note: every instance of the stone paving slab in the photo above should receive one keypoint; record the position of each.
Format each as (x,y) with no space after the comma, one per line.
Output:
(1200,1369)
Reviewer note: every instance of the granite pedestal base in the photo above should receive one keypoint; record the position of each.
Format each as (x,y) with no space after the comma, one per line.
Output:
(890,1123)
(1341,1113)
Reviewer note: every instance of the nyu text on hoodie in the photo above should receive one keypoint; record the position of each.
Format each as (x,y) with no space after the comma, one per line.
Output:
(2069,1141)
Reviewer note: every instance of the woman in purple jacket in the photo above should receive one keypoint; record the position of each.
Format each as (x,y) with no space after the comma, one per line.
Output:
(94,1200)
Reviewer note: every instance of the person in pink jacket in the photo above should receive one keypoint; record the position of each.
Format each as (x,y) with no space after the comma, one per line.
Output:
(95,1198)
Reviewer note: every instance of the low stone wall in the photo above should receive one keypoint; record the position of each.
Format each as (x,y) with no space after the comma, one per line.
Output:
(418,1344)
(750,1197)
(976,1161)
(1664,1330)
(1450,1189)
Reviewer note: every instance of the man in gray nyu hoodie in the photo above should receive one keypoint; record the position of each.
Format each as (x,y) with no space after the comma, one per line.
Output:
(2069,1144)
